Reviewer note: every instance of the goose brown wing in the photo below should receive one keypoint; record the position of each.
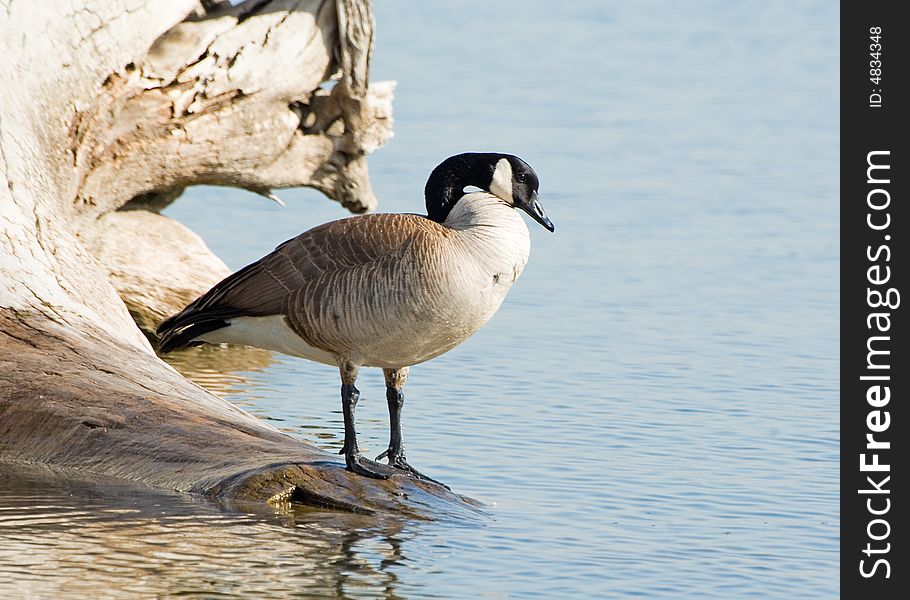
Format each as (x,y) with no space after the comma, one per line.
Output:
(263,287)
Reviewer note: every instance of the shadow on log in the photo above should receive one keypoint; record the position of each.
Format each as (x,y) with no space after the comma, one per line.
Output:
(120,106)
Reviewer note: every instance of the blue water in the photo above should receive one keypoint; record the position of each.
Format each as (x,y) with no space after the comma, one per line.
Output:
(654,410)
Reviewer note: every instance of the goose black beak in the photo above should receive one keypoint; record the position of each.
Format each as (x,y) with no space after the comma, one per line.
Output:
(532,207)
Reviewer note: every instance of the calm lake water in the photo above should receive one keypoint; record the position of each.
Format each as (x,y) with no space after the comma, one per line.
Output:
(653,411)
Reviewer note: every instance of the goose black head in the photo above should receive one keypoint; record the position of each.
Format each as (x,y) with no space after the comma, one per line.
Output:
(503,175)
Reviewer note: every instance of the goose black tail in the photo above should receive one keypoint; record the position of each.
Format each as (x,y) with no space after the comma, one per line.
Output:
(181,329)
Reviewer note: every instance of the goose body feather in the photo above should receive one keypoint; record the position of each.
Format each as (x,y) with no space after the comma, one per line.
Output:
(382,290)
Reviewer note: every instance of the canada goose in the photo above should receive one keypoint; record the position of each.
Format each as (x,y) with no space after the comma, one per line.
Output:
(381,290)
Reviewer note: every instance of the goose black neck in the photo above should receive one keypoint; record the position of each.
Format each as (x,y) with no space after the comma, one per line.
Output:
(447,181)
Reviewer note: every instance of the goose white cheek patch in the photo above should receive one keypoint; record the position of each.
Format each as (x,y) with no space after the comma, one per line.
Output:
(502,180)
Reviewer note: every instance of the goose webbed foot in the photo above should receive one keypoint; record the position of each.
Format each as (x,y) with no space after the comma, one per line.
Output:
(359,464)
(398,462)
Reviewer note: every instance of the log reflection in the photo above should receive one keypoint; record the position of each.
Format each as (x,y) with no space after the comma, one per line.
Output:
(219,369)
(63,536)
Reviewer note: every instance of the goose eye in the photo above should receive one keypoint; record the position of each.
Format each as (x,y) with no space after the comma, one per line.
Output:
(521,178)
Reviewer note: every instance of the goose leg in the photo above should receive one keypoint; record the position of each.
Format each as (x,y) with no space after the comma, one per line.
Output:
(355,462)
(394,393)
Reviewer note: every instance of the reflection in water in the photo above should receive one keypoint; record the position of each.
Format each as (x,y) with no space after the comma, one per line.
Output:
(60,536)
(357,566)
(219,369)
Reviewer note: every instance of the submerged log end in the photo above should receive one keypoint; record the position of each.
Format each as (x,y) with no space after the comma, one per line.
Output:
(326,484)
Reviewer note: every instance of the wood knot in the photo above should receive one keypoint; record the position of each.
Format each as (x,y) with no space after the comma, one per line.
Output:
(92,422)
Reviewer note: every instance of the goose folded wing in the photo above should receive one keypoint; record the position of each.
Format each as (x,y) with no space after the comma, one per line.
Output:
(261,288)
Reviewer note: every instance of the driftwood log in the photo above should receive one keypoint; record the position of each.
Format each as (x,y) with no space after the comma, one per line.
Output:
(108,110)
